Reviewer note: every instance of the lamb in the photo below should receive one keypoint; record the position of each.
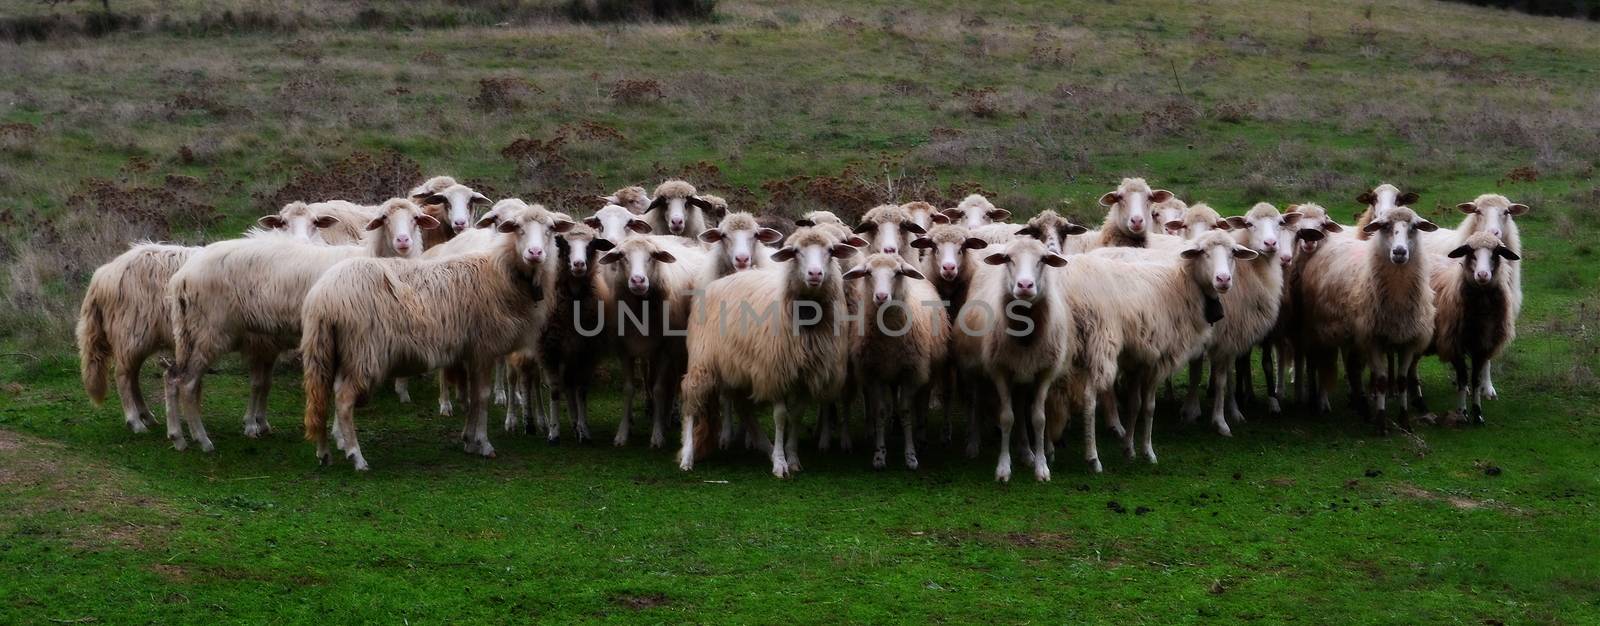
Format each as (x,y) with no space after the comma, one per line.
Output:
(1476,317)
(1371,299)
(570,344)
(373,318)
(976,210)
(1493,214)
(1381,200)
(904,342)
(677,210)
(1127,222)
(793,351)
(449,202)
(124,318)
(1137,316)
(1025,351)
(634,199)
(890,228)
(652,295)
(232,289)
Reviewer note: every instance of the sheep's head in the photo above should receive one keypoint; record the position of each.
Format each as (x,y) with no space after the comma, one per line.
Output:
(889,228)
(1169,214)
(1024,259)
(1312,227)
(676,199)
(1384,198)
(639,255)
(435,184)
(300,220)
(1266,231)
(1129,205)
(924,214)
(740,237)
(976,210)
(718,206)
(818,218)
(1211,258)
(812,251)
(534,227)
(577,249)
(633,199)
(886,271)
(454,203)
(1052,229)
(1397,232)
(949,244)
(1198,220)
(401,222)
(1481,255)
(1494,212)
(615,222)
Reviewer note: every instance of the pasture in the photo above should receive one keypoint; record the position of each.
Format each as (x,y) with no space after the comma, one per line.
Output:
(190,126)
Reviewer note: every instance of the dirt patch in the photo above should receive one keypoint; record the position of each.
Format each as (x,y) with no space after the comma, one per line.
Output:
(42,479)
(1418,493)
(641,602)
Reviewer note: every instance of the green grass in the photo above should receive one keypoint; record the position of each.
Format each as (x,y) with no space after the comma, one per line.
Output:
(1303,518)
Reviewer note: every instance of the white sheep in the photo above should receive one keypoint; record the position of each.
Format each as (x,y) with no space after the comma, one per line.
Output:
(1168,211)
(738,243)
(976,210)
(372,318)
(450,202)
(1053,229)
(1128,218)
(256,286)
(905,335)
(1378,201)
(676,209)
(634,199)
(890,229)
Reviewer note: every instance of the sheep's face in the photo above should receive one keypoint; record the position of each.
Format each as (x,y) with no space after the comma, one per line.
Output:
(456,202)
(885,271)
(1312,227)
(1385,198)
(402,223)
(1052,231)
(1024,261)
(813,259)
(1266,233)
(1494,215)
(297,219)
(1199,220)
(578,252)
(633,199)
(1130,207)
(948,253)
(639,263)
(1480,257)
(615,223)
(1398,233)
(535,233)
(739,246)
(677,212)
(1211,259)
(889,237)
(975,215)
(1169,215)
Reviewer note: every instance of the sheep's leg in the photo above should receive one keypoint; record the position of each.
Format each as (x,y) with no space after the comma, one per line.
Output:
(1041,464)
(662,408)
(191,390)
(780,417)
(1379,393)
(1231,390)
(1244,384)
(1479,367)
(573,409)
(552,419)
(846,406)
(1148,411)
(402,389)
(1219,387)
(974,431)
(513,417)
(1271,376)
(582,414)
(1133,401)
(792,445)
(1415,403)
(1463,385)
(134,412)
(481,379)
(1002,471)
(255,416)
(877,416)
(824,426)
(725,433)
(344,423)
(627,403)
(1360,400)
(169,395)
(947,396)
(1191,404)
(501,373)
(532,405)
(445,407)
(757,436)
(1488,385)
(919,406)
(1091,455)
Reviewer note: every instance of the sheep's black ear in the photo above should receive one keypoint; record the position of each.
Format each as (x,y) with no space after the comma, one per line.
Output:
(998,215)
(1160,195)
(911,273)
(325,221)
(1030,231)
(1054,260)
(1506,253)
(1309,234)
(1237,221)
(1467,207)
(610,257)
(1373,227)
(562,226)
(601,245)
(273,222)
(939,218)
(1110,198)
(913,227)
(1426,226)
(656,204)
(804,223)
(1407,199)
(974,243)
(433,198)
(923,243)
(998,258)
(509,227)
(427,222)
(1460,252)
(768,235)
(701,203)
(1075,229)
(591,222)
(377,222)
(639,226)
(1517,209)
(1332,227)
(785,253)
(866,227)
(1367,198)
(855,272)
(1191,253)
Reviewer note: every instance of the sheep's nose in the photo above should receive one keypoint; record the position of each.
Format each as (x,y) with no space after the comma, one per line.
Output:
(579,265)
(741,260)
(1136,223)
(814,275)
(1224,281)
(1271,244)
(948,267)
(1483,277)
(1495,231)
(676,224)
(536,253)
(460,225)
(890,250)
(1025,284)
(880,297)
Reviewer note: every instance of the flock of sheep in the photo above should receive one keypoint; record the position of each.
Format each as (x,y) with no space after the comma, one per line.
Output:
(717,312)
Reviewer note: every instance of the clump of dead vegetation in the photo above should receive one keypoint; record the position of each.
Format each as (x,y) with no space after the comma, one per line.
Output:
(504,93)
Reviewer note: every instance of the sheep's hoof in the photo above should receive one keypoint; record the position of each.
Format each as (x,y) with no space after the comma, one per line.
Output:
(1118,430)
(1002,474)
(487,451)
(1128,450)
(844,444)
(445,409)
(657,441)
(780,469)
(324,459)
(207,447)
(511,424)
(553,440)
(251,430)
(500,397)
(138,426)
(178,442)
(685,464)
(822,444)
(1150,455)
(879,460)
(1041,473)
(911,462)
(1273,407)
(620,440)
(1222,429)
(1490,393)
(1190,413)
(1236,416)
(1094,466)
(1477,416)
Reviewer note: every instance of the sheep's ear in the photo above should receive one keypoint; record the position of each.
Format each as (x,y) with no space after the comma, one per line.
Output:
(914,228)
(939,218)
(1160,195)
(610,257)
(377,222)
(508,227)
(272,222)
(1407,199)
(974,243)
(433,198)
(1460,252)
(662,256)
(804,223)
(998,215)
(910,272)
(1373,227)
(656,204)
(1075,229)
(478,198)
(1054,260)
(700,203)
(1110,198)
(842,251)
(591,222)
(1237,221)
(1289,218)
(601,245)
(420,196)
(856,272)
(1332,227)
(710,235)
(855,242)
(1244,254)
(1506,253)
(1517,209)
(325,221)
(1176,225)
(1467,207)
(1367,198)
(951,213)
(427,222)
(923,243)
(1191,253)
(488,219)
(785,253)
(1309,234)
(1426,226)
(866,227)
(639,226)
(998,258)
(768,235)
(562,226)
(609,199)
(1030,231)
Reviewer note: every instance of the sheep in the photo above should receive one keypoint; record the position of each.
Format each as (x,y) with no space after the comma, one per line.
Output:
(1052,229)
(924,214)
(614,222)
(677,210)
(904,339)
(634,199)
(319,222)
(718,210)
(234,288)
(651,295)
(833,413)
(1380,200)
(738,243)
(1278,348)
(1313,227)
(1015,330)
(370,318)
(1137,316)
(1369,298)
(124,319)
(569,344)
(976,210)
(1493,214)
(449,202)
(1475,316)
(1251,306)
(890,228)
(1168,211)
(794,350)
(1197,220)
(1128,220)
(949,270)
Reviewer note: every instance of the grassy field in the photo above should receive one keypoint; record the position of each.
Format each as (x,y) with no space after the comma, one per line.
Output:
(784,107)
